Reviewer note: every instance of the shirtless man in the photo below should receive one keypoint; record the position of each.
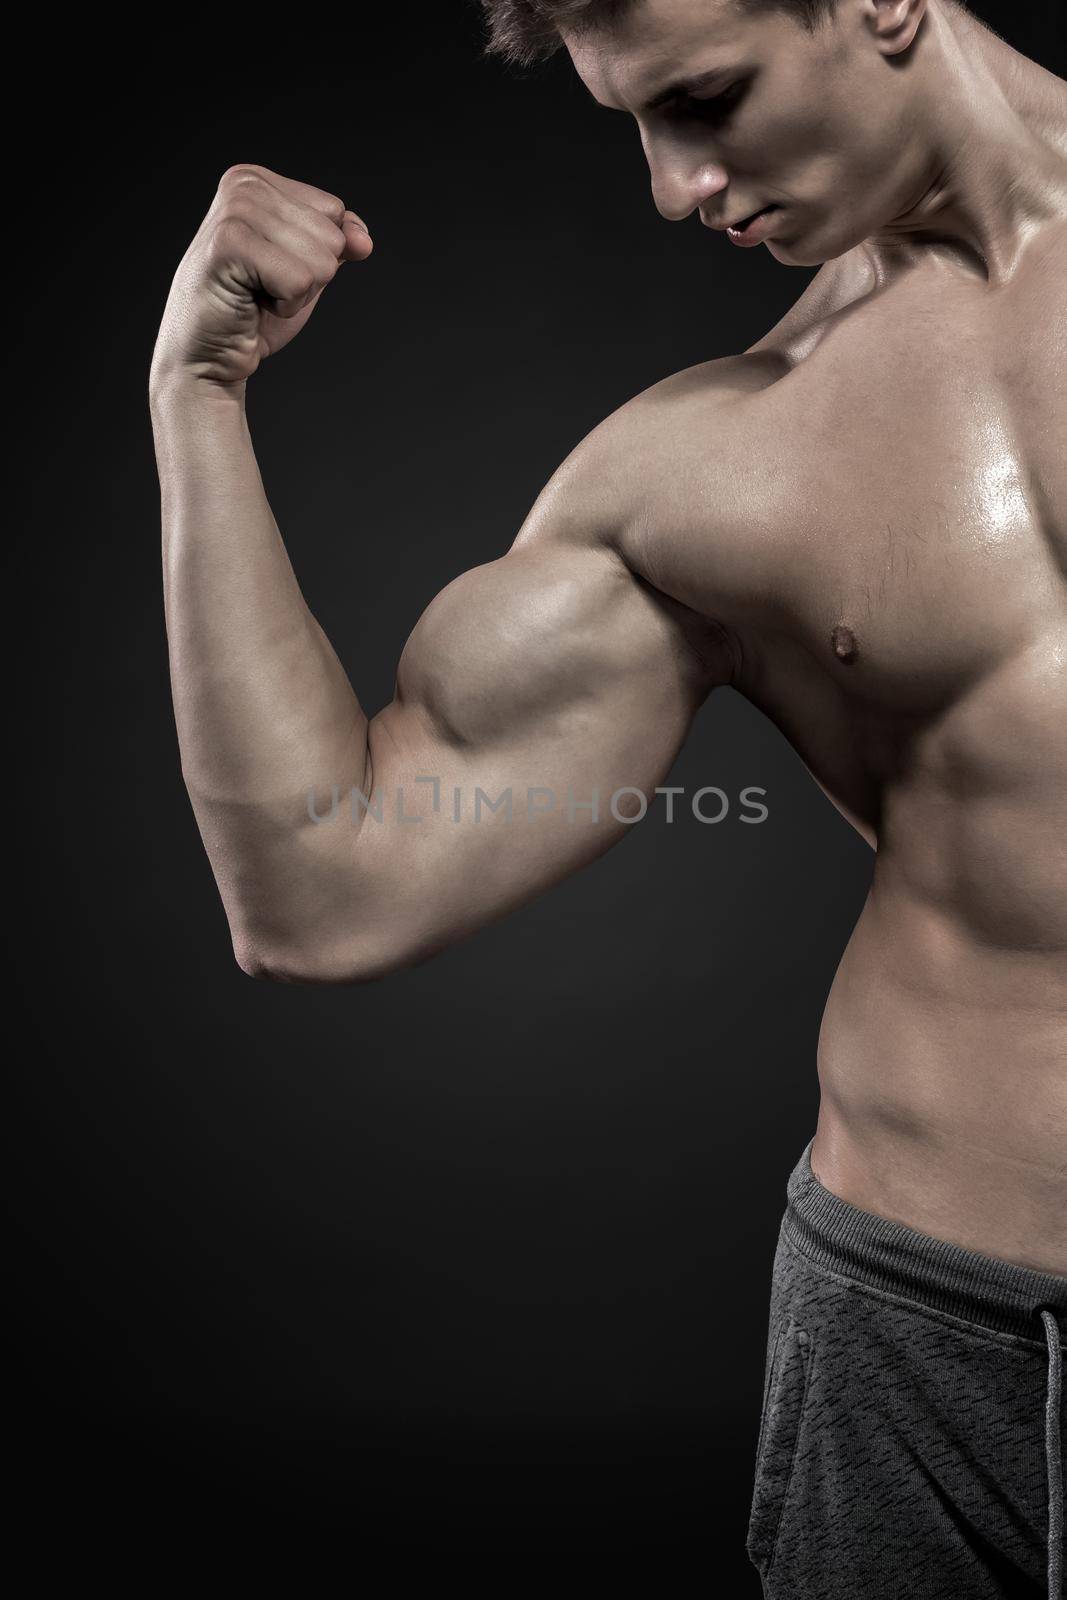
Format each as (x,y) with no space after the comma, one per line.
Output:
(861,524)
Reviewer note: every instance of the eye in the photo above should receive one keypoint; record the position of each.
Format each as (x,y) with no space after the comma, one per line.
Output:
(713,108)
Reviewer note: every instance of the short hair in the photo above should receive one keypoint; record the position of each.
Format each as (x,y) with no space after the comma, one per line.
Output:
(527,31)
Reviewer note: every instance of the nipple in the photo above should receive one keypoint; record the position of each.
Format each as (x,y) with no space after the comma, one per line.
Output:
(844,644)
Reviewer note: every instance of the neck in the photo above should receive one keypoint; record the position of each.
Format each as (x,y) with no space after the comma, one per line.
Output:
(993,167)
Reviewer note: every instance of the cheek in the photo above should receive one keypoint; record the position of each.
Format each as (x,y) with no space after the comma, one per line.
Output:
(771,148)
(826,155)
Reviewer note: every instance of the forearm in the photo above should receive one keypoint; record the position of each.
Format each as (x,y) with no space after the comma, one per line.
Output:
(264,710)
(547,672)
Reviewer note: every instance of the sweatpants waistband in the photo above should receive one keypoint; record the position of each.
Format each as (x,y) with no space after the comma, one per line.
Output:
(887,1255)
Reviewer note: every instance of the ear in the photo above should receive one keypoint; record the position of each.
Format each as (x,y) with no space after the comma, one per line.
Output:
(894,23)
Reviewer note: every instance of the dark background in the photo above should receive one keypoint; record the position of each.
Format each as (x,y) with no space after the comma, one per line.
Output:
(470,1266)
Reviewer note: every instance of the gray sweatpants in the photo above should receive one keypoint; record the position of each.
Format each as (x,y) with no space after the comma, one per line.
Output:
(910,1445)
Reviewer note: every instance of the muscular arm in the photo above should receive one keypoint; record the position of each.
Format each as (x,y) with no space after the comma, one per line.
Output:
(544,676)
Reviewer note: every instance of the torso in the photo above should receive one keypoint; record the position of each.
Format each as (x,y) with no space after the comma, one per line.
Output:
(888,549)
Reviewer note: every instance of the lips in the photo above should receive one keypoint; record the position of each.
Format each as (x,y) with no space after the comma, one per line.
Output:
(754,228)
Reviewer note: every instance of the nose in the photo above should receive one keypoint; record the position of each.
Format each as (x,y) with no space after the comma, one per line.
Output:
(682,178)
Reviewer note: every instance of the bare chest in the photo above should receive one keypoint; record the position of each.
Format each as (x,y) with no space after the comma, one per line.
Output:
(891,512)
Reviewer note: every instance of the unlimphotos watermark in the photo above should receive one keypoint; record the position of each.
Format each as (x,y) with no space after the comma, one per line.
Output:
(627,804)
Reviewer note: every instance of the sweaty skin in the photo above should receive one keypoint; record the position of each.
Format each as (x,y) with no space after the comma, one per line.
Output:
(860,524)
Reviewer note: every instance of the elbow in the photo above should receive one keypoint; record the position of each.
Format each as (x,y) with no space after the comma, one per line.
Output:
(274,961)
(258,959)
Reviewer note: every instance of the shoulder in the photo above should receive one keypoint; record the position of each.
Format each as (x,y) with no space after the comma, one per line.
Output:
(597,522)
(662,443)
(683,446)
(652,496)
(623,470)
(666,431)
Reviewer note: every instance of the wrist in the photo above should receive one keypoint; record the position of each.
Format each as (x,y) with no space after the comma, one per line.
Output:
(173,389)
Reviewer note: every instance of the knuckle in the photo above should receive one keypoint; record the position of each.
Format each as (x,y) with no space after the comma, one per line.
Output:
(242,172)
(315,268)
(231,210)
(328,234)
(230,232)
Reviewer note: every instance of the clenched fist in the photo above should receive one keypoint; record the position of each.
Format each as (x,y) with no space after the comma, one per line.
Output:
(253,274)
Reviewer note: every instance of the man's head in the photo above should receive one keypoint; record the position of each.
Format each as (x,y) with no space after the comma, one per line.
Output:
(809,106)
(527,31)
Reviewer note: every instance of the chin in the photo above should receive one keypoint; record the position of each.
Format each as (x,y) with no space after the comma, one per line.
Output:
(788,254)
(793,253)
(809,250)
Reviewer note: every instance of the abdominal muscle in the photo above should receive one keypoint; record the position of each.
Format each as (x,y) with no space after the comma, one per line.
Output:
(943,1051)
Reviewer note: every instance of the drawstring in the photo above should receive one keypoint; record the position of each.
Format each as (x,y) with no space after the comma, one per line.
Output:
(1054,1456)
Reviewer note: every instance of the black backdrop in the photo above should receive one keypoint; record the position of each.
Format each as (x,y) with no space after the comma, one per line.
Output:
(471,1265)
